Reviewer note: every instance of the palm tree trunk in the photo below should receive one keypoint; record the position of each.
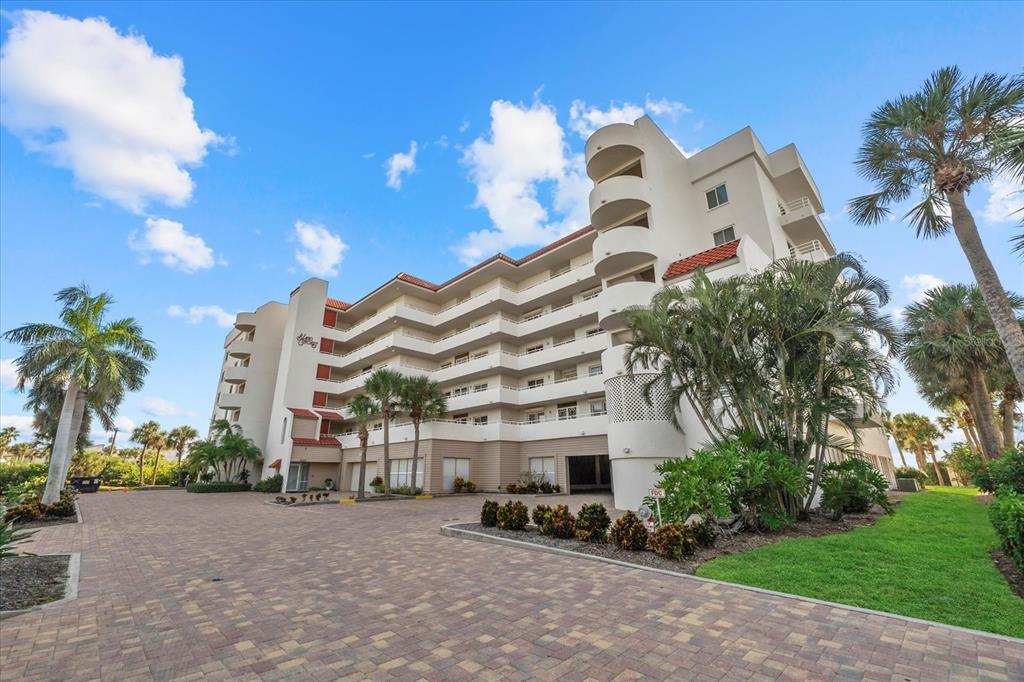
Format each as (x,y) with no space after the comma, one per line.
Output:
(156,464)
(1006,408)
(415,452)
(177,469)
(938,472)
(984,416)
(387,456)
(903,458)
(142,464)
(76,429)
(361,490)
(54,479)
(999,308)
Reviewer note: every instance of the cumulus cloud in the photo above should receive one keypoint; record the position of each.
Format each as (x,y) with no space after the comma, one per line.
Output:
(175,247)
(399,164)
(22,422)
(1005,200)
(525,149)
(197,313)
(8,374)
(584,119)
(916,286)
(320,251)
(104,106)
(160,407)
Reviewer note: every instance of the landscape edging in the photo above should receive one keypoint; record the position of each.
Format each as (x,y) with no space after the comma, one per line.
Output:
(451,530)
(70,587)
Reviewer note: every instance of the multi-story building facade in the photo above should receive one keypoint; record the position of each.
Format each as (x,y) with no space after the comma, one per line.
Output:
(529,351)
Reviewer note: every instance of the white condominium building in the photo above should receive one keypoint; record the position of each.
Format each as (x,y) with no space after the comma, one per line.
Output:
(529,351)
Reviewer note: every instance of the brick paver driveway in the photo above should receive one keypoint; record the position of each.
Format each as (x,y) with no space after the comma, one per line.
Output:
(221,586)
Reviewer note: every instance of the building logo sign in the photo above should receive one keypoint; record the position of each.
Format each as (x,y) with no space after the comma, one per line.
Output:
(306,340)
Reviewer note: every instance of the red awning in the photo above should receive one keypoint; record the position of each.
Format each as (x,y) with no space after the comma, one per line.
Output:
(327,414)
(276,464)
(302,412)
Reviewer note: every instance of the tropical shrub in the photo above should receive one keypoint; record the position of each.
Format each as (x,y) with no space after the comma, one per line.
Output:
(592,523)
(537,515)
(217,487)
(629,532)
(65,506)
(911,472)
(853,486)
(377,484)
(705,532)
(1005,472)
(673,541)
(512,489)
(763,479)
(458,483)
(470,487)
(943,470)
(699,484)
(559,523)
(489,514)
(513,515)
(404,490)
(9,537)
(32,507)
(1007,515)
(270,484)
(963,461)
(17,473)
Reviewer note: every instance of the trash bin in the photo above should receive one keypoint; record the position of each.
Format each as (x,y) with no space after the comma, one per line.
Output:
(85,484)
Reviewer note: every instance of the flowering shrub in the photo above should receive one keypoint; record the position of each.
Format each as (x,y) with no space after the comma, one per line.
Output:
(512,515)
(592,523)
(629,532)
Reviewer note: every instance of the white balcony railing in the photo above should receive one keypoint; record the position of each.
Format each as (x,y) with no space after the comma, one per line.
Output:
(812,251)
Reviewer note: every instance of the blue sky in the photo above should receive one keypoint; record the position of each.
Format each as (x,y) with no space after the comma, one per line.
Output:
(108,176)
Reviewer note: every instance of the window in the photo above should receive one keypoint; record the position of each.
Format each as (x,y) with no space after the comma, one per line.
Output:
(594,332)
(595,370)
(717,196)
(534,383)
(535,417)
(401,472)
(480,421)
(477,388)
(453,467)
(543,467)
(460,418)
(481,354)
(598,407)
(566,411)
(534,349)
(462,390)
(298,477)
(724,236)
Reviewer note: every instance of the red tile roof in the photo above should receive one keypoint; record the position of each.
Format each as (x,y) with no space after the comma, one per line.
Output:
(332,442)
(702,260)
(300,412)
(327,414)
(339,305)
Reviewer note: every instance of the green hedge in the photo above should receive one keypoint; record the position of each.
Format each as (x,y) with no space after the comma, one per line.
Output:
(271,484)
(215,487)
(1007,515)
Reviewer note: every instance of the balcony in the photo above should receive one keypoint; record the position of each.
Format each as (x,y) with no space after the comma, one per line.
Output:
(230,401)
(562,389)
(617,199)
(614,301)
(813,251)
(241,348)
(236,375)
(622,248)
(245,322)
(610,148)
(801,223)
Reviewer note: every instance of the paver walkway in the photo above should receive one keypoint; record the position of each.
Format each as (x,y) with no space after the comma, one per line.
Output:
(373,591)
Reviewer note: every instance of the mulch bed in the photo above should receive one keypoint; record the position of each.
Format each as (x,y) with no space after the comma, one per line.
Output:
(816,526)
(32,580)
(45,521)
(1013,575)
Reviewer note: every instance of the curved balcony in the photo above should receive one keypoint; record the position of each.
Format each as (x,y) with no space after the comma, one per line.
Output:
(613,361)
(236,375)
(241,349)
(245,322)
(617,199)
(230,401)
(613,301)
(611,147)
(622,248)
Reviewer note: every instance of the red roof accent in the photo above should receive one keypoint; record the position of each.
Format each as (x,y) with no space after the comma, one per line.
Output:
(335,303)
(702,260)
(332,442)
(276,464)
(327,414)
(300,412)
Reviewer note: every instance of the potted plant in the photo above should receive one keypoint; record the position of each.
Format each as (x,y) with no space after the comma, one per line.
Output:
(329,483)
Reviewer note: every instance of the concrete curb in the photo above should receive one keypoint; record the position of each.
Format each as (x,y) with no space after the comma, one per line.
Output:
(451,530)
(70,587)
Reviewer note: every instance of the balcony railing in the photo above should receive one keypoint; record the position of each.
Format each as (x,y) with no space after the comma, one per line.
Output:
(803,203)
(812,250)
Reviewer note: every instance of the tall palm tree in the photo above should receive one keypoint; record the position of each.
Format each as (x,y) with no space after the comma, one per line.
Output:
(235,452)
(422,399)
(950,339)
(363,409)
(89,356)
(7,436)
(941,141)
(159,444)
(894,429)
(179,438)
(148,435)
(384,386)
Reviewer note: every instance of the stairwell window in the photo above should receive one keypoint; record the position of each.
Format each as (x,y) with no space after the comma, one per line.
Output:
(724,236)
(717,196)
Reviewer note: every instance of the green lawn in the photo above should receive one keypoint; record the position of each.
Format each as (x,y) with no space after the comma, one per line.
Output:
(930,560)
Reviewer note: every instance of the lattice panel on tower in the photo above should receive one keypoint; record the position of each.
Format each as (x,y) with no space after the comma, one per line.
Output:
(626,401)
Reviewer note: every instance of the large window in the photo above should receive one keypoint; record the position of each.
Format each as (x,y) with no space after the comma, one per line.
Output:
(543,467)
(724,236)
(717,196)
(401,472)
(567,410)
(298,476)
(455,467)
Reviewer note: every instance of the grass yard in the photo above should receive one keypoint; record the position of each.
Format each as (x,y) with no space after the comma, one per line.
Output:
(930,560)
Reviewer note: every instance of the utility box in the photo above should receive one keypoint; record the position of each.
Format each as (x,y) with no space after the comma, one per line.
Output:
(86,484)
(908,485)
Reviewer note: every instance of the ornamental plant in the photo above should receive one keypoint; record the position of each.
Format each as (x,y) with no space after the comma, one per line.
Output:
(489,514)
(512,515)
(458,483)
(705,532)
(592,523)
(629,532)
(1007,515)
(559,523)
(853,486)
(674,541)
(537,515)
(270,484)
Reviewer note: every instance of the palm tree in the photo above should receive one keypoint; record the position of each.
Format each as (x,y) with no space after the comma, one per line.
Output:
(941,141)
(951,341)
(422,399)
(920,437)
(179,438)
(90,356)
(148,435)
(7,436)
(894,429)
(384,386)
(235,451)
(363,409)
(159,444)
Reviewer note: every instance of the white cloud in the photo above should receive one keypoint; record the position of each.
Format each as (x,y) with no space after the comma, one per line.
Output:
(102,105)
(399,164)
(8,374)
(1005,200)
(173,245)
(22,422)
(320,251)
(916,286)
(197,313)
(464,126)
(526,148)
(160,407)
(584,119)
